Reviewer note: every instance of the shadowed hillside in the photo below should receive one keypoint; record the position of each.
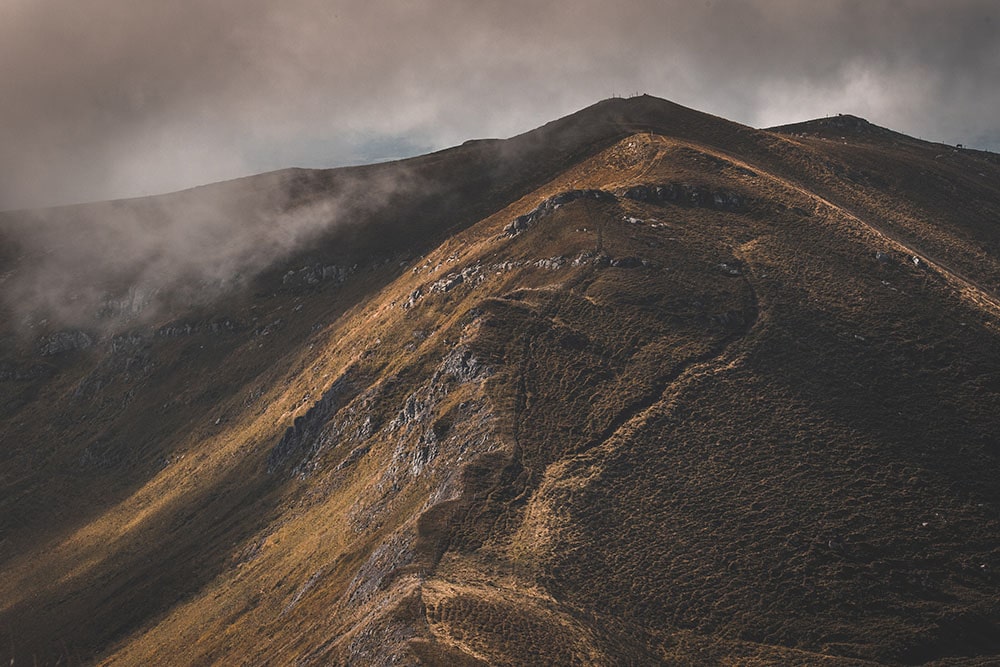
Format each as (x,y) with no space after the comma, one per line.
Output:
(640,386)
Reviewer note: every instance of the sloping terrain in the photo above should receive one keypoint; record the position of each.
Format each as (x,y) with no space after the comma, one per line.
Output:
(642,386)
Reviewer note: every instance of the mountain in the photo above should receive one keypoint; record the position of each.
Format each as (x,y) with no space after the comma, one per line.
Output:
(641,386)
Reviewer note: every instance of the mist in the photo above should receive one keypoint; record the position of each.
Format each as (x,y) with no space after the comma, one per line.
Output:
(111,266)
(108,99)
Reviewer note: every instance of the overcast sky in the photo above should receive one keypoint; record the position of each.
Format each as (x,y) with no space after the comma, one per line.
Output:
(115,98)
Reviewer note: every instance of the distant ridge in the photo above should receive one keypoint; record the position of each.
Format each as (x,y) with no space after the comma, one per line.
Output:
(844,125)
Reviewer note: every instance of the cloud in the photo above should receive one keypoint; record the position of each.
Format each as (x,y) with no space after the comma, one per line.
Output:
(112,265)
(110,98)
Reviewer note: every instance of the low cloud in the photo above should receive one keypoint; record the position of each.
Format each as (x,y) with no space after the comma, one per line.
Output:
(109,266)
(109,98)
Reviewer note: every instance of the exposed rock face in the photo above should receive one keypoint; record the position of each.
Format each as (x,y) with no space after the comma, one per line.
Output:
(667,193)
(448,283)
(458,367)
(523,222)
(461,365)
(413,298)
(467,275)
(308,433)
(592,257)
(687,195)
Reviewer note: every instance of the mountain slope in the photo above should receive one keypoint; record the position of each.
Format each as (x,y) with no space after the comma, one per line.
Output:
(663,388)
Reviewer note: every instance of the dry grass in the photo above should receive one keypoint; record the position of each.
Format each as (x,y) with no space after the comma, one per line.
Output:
(671,433)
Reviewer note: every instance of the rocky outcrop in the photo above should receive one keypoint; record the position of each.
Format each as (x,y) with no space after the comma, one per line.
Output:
(523,222)
(470,275)
(413,298)
(668,193)
(550,263)
(309,432)
(686,195)
(452,280)
(459,366)
(419,414)
(309,276)
(595,257)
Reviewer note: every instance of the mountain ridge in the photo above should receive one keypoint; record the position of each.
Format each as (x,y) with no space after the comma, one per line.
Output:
(636,411)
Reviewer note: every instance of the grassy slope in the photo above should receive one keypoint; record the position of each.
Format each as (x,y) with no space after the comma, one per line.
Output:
(656,463)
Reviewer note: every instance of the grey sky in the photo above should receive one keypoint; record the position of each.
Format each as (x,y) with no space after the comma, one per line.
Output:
(111,98)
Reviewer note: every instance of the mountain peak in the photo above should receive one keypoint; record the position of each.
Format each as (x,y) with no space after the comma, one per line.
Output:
(640,386)
(839,125)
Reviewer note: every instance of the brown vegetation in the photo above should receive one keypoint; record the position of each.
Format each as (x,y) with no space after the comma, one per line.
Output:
(732,420)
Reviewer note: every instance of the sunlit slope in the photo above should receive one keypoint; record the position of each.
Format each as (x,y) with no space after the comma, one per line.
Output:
(717,453)
(690,400)
(100,398)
